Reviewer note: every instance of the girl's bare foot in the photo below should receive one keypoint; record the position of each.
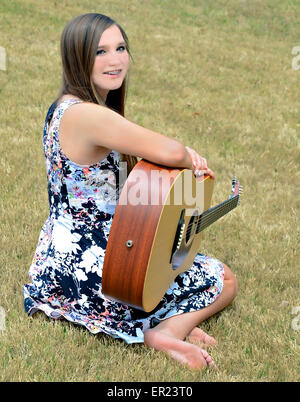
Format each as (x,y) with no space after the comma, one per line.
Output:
(183,352)
(198,336)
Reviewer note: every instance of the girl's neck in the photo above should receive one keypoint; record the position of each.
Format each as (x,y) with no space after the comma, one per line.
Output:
(103,94)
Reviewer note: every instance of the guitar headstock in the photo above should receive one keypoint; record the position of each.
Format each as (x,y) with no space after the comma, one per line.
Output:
(236,189)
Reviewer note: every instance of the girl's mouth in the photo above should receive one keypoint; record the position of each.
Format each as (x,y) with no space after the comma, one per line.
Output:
(113,73)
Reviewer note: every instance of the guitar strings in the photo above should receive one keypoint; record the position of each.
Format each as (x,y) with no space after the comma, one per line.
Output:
(209,217)
(216,210)
(208,221)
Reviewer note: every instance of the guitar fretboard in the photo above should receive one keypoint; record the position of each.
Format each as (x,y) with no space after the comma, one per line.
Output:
(213,214)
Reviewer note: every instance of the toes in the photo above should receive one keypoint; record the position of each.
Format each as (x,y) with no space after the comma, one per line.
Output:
(201,338)
(208,359)
(209,339)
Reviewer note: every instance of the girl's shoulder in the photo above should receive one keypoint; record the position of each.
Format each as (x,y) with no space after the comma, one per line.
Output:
(66,97)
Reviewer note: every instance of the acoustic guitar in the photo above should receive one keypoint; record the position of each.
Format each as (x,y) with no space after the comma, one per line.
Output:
(156,231)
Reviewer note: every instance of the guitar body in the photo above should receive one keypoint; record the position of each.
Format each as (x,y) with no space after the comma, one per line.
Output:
(153,237)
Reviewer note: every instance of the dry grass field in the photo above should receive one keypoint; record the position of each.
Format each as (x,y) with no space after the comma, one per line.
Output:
(221,77)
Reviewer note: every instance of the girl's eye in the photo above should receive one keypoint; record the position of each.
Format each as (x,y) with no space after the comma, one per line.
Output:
(100,51)
(121,48)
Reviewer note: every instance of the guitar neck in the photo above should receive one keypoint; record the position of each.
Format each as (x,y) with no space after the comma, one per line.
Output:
(213,214)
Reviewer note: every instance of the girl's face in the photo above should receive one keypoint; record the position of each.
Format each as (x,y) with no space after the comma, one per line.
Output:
(111,62)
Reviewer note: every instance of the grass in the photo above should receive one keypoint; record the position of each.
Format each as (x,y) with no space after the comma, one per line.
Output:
(216,75)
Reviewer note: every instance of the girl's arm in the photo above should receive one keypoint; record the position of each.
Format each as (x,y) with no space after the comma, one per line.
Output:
(100,126)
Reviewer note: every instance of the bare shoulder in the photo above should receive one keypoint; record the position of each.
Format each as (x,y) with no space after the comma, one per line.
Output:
(66,97)
(87,114)
(84,117)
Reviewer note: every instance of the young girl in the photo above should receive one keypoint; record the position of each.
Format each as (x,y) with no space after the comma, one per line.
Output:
(85,137)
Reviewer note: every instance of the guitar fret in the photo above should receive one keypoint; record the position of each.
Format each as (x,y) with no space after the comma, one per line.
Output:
(215,213)
(213,210)
(205,223)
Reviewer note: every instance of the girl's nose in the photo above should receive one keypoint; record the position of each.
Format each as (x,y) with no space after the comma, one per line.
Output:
(113,58)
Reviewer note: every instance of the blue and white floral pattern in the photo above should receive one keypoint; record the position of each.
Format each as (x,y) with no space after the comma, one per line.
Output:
(66,270)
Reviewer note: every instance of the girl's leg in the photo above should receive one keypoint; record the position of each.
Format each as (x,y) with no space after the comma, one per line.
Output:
(231,288)
(169,335)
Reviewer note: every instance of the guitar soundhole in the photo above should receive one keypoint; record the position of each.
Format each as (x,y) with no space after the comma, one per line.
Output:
(191,228)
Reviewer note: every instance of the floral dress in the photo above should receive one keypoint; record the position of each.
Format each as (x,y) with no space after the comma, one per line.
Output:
(66,270)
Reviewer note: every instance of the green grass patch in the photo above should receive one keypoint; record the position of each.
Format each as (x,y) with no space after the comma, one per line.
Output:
(216,75)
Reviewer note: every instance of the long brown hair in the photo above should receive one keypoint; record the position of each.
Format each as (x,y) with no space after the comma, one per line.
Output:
(78,46)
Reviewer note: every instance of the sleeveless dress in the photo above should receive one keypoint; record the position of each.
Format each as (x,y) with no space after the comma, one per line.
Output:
(65,274)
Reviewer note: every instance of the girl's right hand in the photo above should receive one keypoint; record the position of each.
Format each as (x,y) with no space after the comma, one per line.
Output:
(199,164)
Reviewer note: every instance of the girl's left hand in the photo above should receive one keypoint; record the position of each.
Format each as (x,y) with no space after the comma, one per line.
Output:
(200,167)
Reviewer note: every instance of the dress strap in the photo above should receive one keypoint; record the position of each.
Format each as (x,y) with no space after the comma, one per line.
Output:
(64,104)
(49,117)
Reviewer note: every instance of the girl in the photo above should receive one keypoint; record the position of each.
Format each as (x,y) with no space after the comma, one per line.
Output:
(85,137)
